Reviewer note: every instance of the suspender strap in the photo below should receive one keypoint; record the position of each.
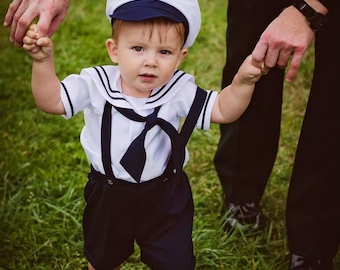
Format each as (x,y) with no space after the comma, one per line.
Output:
(106,139)
(178,151)
(193,115)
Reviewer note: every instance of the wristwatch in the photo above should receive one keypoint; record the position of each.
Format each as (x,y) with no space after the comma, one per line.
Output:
(315,19)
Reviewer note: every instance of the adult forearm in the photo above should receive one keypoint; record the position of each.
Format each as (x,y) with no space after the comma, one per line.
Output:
(319,6)
(316,3)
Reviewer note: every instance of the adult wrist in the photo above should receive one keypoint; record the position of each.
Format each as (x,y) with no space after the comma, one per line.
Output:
(314,12)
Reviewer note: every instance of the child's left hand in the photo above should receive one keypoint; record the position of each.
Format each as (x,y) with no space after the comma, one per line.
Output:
(264,69)
(32,42)
(250,71)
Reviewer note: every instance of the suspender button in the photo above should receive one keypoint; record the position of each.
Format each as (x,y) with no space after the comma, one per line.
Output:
(165,179)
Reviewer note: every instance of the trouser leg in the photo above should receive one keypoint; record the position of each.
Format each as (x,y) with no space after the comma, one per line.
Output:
(247,148)
(313,215)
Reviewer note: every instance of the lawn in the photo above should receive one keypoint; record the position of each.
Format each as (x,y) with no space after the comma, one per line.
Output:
(43,168)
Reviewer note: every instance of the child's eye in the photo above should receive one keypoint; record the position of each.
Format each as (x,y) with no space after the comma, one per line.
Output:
(165,52)
(138,48)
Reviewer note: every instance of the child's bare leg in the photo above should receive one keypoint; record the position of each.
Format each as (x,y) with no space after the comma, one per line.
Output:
(92,268)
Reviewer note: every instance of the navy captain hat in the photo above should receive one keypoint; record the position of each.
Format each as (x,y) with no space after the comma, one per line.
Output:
(180,11)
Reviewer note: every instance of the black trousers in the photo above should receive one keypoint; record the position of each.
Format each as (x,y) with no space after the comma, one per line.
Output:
(247,148)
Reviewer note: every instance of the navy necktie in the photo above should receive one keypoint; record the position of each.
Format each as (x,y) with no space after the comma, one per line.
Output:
(134,158)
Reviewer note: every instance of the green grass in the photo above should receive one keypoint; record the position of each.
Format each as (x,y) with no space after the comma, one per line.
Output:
(43,168)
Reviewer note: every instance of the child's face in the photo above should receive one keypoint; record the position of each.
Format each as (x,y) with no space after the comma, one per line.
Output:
(147,56)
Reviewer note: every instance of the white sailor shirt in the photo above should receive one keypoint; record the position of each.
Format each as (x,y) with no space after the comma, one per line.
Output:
(89,91)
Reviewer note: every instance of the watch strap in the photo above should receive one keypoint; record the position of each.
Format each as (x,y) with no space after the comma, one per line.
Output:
(315,19)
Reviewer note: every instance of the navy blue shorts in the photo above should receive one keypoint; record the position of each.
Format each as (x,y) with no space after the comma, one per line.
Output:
(157,214)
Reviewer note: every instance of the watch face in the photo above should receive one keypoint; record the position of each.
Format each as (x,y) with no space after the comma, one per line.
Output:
(316,22)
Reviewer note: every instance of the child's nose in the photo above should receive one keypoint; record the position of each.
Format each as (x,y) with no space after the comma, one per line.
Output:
(151,59)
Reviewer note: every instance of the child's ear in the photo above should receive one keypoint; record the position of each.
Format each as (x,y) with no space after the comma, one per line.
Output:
(183,53)
(111,47)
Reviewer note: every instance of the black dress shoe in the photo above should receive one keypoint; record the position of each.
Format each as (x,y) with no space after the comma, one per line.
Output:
(247,217)
(300,263)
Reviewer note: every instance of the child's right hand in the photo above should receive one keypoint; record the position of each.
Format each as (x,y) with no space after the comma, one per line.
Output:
(32,41)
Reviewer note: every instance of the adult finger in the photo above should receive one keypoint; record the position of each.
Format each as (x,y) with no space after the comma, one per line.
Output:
(14,13)
(294,66)
(260,51)
(283,58)
(21,22)
(272,56)
(44,23)
(12,8)
(256,63)
(56,21)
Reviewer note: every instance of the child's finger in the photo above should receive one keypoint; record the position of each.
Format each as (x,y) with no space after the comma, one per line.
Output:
(28,47)
(44,42)
(32,34)
(29,40)
(264,69)
(33,28)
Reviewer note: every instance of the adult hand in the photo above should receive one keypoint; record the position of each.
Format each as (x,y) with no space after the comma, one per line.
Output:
(287,37)
(21,13)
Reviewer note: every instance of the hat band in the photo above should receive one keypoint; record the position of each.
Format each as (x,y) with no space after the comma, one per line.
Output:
(135,11)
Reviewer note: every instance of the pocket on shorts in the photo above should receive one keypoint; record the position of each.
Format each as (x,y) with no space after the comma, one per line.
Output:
(89,188)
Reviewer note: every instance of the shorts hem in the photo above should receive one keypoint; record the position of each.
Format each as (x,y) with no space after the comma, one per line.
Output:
(154,265)
(98,266)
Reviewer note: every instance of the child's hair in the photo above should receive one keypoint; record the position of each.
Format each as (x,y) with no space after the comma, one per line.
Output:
(116,26)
